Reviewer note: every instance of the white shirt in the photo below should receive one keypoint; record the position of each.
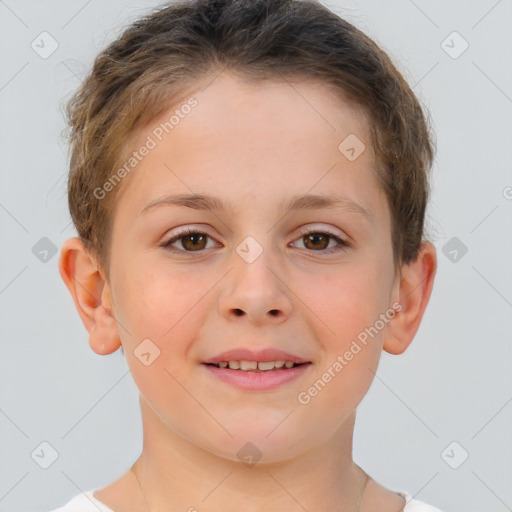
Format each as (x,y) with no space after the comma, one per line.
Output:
(87,503)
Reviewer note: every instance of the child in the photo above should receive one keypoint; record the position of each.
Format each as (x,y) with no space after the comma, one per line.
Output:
(248,179)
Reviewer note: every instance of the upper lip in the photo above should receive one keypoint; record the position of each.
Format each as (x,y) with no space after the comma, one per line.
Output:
(264,355)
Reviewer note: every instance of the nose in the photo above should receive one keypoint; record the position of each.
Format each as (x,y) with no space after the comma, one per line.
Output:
(256,292)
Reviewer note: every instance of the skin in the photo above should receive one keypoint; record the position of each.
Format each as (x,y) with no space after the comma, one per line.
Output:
(254,146)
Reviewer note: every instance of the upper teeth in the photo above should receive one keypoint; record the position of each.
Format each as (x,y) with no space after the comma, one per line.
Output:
(253,365)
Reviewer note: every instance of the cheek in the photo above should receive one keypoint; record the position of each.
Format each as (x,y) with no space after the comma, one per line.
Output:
(156,296)
(159,310)
(346,298)
(345,306)
(168,307)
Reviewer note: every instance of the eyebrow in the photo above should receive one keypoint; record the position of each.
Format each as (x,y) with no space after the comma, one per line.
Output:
(304,202)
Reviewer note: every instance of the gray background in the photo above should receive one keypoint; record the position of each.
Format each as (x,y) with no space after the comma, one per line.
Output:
(454,383)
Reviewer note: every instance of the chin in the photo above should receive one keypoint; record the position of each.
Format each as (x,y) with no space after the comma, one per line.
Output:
(253,445)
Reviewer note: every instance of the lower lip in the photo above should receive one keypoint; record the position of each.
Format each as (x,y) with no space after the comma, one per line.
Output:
(257,381)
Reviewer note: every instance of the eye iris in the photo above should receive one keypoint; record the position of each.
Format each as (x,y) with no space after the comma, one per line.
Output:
(195,237)
(315,237)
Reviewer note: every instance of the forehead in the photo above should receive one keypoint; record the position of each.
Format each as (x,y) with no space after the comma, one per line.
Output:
(283,107)
(253,139)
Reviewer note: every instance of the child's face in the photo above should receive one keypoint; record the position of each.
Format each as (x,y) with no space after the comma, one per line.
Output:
(255,148)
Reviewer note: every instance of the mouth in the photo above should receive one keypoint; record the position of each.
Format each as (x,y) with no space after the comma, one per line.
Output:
(256,370)
(257,366)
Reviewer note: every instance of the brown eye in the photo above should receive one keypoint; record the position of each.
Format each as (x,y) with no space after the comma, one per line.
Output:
(316,240)
(188,241)
(194,242)
(323,242)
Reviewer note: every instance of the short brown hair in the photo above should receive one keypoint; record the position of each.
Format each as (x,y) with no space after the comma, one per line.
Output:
(164,54)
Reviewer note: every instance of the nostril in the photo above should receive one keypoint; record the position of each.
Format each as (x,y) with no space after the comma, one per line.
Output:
(274,312)
(238,312)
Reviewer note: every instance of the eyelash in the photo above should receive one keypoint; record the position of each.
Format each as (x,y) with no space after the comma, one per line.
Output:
(342,244)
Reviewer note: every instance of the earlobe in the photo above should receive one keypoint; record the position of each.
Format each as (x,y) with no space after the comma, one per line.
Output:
(91,294)
(414,291)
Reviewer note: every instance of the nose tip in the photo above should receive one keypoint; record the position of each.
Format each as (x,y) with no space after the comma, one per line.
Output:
(255,292)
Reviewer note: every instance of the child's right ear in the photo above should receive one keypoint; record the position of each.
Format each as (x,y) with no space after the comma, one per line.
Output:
(90,290)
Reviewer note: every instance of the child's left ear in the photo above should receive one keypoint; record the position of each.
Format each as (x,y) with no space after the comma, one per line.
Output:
(413,293)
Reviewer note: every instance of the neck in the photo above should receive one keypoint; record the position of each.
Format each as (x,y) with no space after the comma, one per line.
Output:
(173,471)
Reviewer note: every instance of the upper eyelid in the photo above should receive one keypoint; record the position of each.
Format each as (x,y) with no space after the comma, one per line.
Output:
(319,229)
(302,230)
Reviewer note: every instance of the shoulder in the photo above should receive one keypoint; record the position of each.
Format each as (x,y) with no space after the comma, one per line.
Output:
(84,502)
(381,498)
(416,505)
